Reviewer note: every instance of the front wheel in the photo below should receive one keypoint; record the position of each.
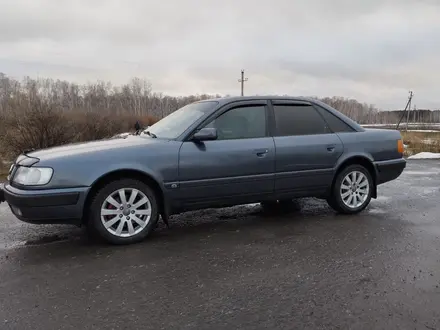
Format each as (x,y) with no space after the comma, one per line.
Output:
(352,190)
(124,211)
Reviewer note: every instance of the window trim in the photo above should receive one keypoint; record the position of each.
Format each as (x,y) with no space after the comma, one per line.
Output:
(331,114)
(294,103)
(228,107)
(289,102)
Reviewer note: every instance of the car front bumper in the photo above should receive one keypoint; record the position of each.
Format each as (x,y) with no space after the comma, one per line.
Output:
(2,193)
(52,206)
(389,170)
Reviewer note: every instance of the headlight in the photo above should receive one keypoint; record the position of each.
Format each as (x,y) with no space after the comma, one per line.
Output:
(32,176)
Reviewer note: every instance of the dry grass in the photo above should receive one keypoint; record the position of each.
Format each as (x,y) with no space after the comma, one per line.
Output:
(4,168)
(421,142)
(44,128)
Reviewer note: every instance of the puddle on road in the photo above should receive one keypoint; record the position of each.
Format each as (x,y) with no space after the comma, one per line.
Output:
(47,239)
(34,242)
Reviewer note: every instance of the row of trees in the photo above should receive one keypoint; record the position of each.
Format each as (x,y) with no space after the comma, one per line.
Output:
(415,116)
(135,97)
(368,114)
(138,98)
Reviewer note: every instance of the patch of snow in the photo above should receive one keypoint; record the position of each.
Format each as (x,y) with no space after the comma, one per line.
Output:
(404,124)
(425,155)
(424,130)
(121,136)
(422,173)
(253,205)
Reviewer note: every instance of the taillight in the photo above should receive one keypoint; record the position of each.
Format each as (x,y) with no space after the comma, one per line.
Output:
(400,147)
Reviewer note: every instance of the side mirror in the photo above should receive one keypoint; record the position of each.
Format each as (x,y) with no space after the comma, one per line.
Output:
(205,134)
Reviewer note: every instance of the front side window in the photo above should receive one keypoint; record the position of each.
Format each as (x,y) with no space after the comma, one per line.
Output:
(173,125)
(245,122)
(294,120)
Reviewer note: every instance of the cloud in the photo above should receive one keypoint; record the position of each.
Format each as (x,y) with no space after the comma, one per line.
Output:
(372,50)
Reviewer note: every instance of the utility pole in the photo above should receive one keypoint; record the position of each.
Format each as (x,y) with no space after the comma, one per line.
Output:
(409,109)
(415,113)
(404,111)
(242,80)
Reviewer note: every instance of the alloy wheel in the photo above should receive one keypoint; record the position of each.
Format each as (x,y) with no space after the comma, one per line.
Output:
(354,189)
(126,212)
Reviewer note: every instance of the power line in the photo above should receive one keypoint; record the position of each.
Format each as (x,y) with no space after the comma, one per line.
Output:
(242,80)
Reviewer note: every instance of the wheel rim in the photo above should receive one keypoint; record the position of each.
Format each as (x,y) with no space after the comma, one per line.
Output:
(354,189)
(126,212)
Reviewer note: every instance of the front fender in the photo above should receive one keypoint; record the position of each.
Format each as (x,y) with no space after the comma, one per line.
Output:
(139,168)
(97,174)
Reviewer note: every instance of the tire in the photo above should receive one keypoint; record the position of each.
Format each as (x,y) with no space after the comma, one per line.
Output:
(132,223)
(360,194)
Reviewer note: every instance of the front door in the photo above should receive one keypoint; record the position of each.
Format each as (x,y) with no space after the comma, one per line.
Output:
(237,167)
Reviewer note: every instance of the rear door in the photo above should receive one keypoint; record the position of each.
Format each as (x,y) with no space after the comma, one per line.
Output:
(238,166)
(306,149)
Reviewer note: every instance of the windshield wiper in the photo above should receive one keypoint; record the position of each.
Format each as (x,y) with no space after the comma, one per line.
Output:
(154,136)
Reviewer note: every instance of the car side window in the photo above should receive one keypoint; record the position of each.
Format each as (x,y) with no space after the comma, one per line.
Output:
(301,119)
(243,122)
(335,124)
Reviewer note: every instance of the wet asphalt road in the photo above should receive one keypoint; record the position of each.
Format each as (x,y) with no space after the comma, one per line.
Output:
(238,268)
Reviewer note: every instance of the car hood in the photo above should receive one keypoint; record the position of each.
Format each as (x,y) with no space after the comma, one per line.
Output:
(94,146)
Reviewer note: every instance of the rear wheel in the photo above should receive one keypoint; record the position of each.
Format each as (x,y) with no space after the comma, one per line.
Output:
(352,190)
(124,211)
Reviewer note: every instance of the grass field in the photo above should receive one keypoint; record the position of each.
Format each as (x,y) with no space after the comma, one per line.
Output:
(421,142)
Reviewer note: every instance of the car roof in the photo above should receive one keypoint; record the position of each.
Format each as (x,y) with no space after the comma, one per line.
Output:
(225,100)
(228,99)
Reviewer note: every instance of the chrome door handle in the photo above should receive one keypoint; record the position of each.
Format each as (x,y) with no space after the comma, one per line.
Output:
(330,148)
(261,152)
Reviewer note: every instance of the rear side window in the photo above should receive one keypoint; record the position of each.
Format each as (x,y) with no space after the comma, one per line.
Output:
(298,120)
(334,123)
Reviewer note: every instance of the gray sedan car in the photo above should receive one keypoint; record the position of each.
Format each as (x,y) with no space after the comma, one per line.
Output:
(212,153)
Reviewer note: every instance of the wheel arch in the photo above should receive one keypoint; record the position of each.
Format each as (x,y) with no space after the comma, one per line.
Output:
(363,160)
(126,174)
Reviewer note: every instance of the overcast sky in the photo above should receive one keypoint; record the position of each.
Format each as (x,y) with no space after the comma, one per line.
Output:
(371,50)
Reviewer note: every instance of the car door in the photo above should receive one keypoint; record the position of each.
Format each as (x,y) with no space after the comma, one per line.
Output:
(306,150)
(236,167)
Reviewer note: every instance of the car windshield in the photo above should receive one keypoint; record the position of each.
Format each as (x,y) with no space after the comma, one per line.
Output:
(173,125)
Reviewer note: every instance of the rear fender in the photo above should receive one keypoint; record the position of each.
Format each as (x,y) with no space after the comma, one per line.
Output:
(361,158)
